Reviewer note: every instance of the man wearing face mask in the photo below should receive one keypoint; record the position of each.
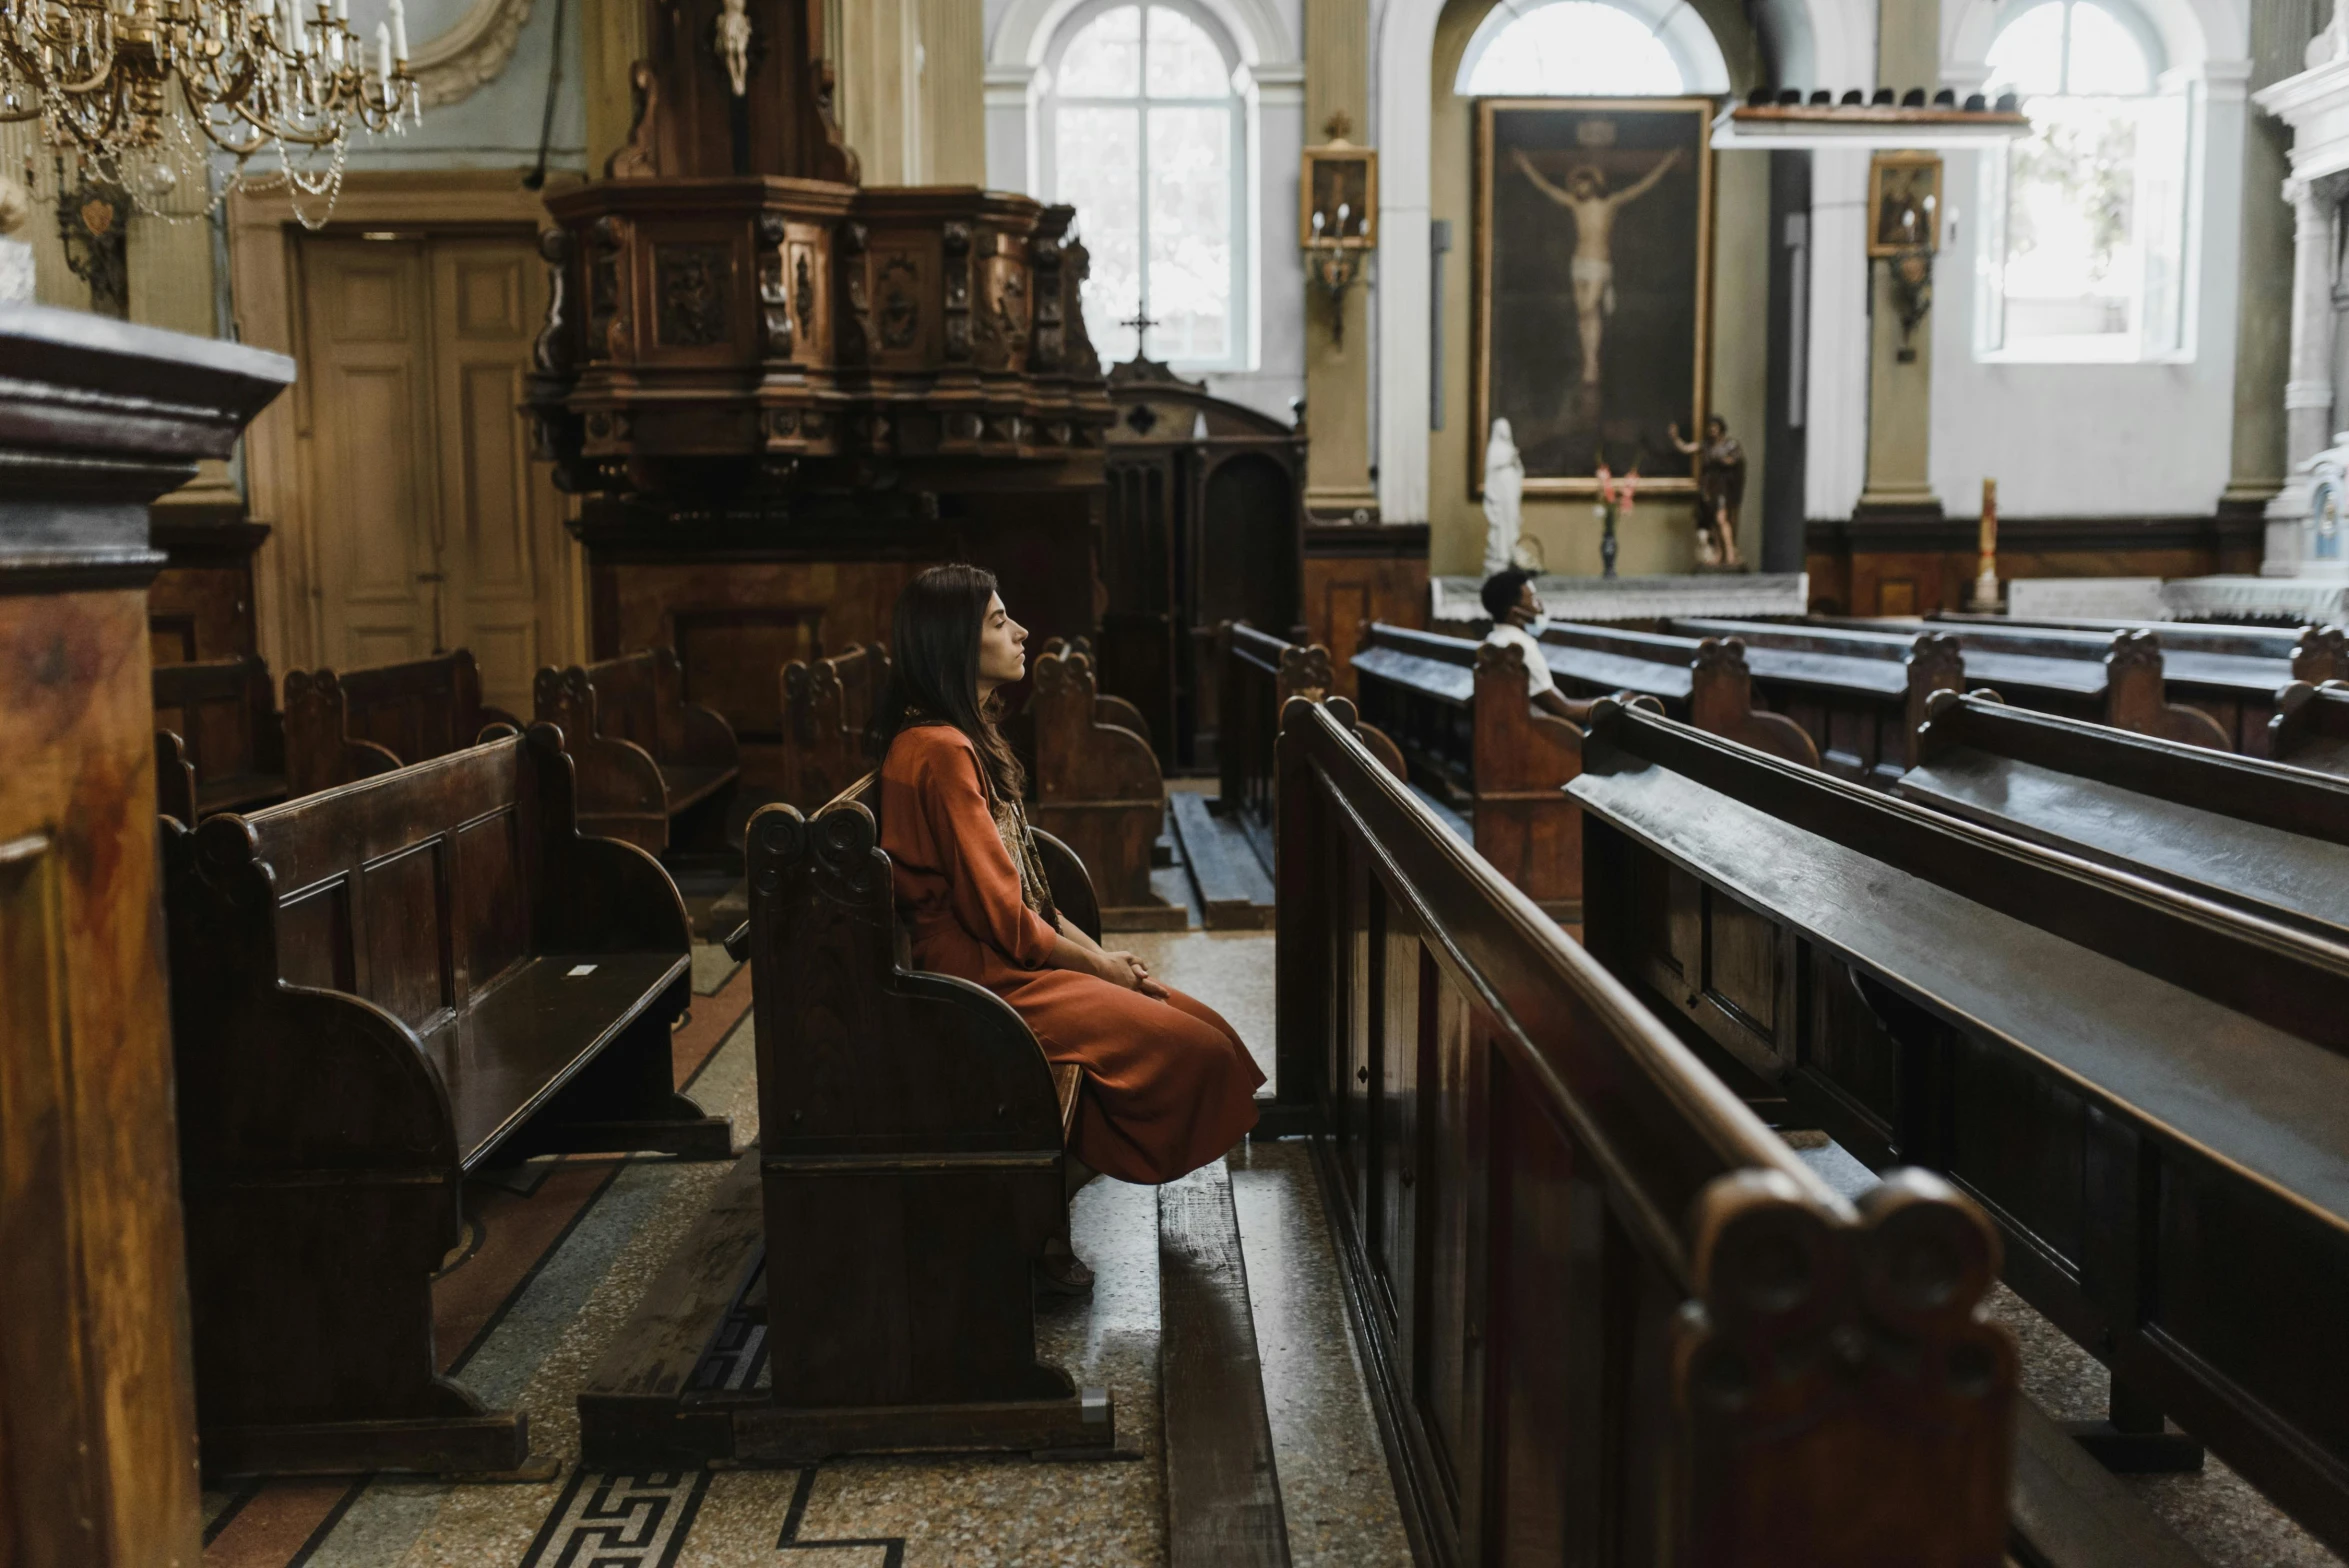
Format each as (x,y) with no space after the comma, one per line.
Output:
(1517,623)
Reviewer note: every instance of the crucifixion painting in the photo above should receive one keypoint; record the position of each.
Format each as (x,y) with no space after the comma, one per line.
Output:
(1592,276)
(1593,268)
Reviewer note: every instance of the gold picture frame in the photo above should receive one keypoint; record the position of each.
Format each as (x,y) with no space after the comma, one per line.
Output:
(1528,333)
(1334,174)
(1904,183)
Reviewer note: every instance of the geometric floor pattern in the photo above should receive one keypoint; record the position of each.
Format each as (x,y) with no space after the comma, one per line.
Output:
(557,1262)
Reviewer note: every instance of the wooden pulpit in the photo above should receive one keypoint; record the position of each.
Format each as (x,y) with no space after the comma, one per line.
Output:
(97,1418)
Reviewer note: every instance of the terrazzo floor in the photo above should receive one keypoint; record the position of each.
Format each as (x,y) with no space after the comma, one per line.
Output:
(2215,1510)
(554,1271)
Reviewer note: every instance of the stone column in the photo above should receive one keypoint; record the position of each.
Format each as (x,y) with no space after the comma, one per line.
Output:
(1337,366)
(1900,375)
(954,71)
(2308,392)
(2308,395)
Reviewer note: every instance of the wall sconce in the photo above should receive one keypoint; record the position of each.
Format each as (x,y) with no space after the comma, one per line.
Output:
(1337,216)
(1912,294)
(1904,228)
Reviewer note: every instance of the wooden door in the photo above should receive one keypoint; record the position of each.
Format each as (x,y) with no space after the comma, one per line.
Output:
(367,367)
(501,518)
(434,529)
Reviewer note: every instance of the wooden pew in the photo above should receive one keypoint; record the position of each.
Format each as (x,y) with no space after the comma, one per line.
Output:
(827,705)
(1107,709)
(645,756)
(2142,1088)
(2314,653)
(1424,685)
(217,722)
(1098,788)
(909,1174)
(1257,674)
(375,991)
(341,728)
(1596,1295)
(2111,678)
(2231,673)
(2310,728)
(2271,840)
(1859,699)
(1710,683)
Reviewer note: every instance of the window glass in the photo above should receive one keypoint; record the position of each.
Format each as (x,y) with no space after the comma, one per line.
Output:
(1575,48)
(2083,250)
(1145,138)
(1105,57)
(1184,62)
(1190,231)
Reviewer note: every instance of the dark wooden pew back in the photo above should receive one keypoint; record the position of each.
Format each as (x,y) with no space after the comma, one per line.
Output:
(1860,699)
(374,990)
(2114,678)
(226,723)
(827,706)
(2237,830)
(2140,1086)
(1590,1280)
(912,1163)
(342,727)
(646,756)
(1257,675)
(2310,727)
(2314,653)
(1098,788)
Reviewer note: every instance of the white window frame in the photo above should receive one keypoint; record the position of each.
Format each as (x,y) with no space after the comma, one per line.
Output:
(1240,337)
(1993,192)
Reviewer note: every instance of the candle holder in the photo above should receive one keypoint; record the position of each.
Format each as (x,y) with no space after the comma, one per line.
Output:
(1337,216)
(1985,597)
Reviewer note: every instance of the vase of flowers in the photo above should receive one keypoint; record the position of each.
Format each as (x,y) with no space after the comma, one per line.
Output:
(1615,501)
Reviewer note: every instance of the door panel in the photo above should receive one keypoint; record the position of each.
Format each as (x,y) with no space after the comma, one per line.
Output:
(368,371)
(503,515)
(435,531)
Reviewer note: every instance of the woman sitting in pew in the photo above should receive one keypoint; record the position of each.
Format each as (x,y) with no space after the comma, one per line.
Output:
(1168,1086)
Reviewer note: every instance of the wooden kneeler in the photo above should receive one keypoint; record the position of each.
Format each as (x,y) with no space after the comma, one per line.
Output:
(910,1174)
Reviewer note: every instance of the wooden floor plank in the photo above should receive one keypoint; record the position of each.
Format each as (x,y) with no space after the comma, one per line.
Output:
(1223,1498)
(2071,1512)
(1234,892)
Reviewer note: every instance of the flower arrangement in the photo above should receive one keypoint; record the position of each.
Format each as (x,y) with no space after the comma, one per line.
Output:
(1616,498)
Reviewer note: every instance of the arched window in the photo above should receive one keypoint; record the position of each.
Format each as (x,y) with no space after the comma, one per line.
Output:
(2083,253)
(1143,133)
(1590,49)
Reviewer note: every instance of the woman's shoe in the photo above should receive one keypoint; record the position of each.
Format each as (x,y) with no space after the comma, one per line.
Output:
(1060,1272)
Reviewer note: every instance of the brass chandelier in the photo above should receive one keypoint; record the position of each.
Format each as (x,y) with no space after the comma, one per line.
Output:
(140,92)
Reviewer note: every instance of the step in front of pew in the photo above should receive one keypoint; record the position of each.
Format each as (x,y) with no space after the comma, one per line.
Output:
(680,1384)
(1235,893)
(1223,1494)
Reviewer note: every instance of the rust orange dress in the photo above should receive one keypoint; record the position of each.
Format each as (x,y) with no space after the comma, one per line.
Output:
(1168,1085)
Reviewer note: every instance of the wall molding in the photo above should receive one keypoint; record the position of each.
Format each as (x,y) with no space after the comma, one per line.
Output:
(458,63)
(2035,535)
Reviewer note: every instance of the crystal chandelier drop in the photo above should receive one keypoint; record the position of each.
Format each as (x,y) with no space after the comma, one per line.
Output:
(139,92)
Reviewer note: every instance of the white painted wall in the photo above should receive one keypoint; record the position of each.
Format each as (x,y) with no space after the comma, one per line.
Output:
(2146,439)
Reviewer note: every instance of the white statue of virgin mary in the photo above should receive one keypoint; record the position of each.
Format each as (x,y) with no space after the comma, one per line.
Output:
(1504,496)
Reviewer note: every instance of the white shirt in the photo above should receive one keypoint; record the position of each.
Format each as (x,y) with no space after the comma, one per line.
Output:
(1537,669)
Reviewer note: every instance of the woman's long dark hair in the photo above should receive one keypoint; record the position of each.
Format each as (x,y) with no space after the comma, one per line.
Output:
(934,670)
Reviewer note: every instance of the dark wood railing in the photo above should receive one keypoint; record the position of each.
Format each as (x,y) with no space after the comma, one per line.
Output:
(1609,1316)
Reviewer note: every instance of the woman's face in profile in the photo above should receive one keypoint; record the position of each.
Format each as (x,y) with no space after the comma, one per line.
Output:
(1003,643)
